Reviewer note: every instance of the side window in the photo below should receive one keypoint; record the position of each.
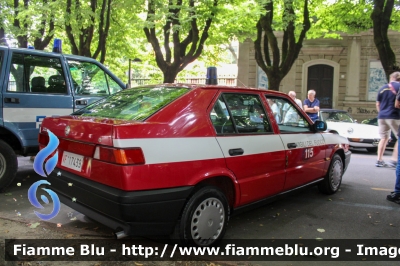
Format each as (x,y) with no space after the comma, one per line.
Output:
(36,74)
(89,79)
(239,113)
(221,119)
(288,117)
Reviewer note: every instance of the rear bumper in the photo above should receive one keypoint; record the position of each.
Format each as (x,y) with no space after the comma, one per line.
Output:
(140,213)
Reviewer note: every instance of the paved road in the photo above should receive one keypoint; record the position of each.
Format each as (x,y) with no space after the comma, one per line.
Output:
(358,211)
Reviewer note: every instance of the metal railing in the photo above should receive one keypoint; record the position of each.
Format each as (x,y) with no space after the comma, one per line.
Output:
(229,81)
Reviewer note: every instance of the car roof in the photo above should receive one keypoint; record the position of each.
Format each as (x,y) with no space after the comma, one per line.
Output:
(205,86)
(47,53)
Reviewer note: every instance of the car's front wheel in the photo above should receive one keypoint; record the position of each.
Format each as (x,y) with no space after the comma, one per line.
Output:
(333,178)
(204,218)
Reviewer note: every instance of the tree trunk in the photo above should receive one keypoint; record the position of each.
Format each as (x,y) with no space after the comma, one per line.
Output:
(45,25)
(170,75)
(380,16)
(274,82)
(3,40)
(82,41)
(182,52)
(276,62)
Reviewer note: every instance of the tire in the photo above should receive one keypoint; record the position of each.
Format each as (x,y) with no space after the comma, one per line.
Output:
(8,165)
(204,218)
(333,178)
(372,149)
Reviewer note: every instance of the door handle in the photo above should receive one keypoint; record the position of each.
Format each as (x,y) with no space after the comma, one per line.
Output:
(81,102)
(291,145)
(11,100)
(234,152)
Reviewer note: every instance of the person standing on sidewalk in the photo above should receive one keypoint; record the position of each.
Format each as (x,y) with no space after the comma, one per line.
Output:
(388,117)
(311,105)
(292,95)
(395,195)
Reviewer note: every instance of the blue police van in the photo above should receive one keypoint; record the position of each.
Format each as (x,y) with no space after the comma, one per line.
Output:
(35,84)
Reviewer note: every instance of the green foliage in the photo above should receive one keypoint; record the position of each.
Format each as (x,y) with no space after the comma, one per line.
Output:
(233,20)
(29,20)
(346,16)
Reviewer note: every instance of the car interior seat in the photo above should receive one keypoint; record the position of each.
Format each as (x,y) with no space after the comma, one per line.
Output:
(38,84)
(56,84)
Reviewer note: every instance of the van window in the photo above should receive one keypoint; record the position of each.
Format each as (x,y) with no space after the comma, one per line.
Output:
(36,74)
(89,79)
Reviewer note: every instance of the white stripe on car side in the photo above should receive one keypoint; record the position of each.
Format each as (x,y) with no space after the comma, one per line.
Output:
(331,138)
(31,114)
(303,140)
(165,150)
(168,150)
(255,144)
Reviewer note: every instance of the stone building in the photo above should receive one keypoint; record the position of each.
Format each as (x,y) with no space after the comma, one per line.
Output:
(346,73)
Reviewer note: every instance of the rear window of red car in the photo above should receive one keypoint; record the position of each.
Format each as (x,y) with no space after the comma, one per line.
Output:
(133,104)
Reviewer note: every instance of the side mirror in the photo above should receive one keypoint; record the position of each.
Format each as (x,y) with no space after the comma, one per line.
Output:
(319,126)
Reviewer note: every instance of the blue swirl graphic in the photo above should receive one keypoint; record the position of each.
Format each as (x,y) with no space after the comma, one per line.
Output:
(33,200)
(45,170)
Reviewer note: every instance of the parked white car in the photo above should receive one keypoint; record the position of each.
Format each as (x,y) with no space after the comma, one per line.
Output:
(359,135)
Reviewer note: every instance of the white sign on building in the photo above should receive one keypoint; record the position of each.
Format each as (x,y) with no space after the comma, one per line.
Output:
(377,78)
(262,79)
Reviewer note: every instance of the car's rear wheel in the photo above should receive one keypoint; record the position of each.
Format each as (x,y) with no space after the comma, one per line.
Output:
(204,218)
(372,149)
(8,165)
(333,178)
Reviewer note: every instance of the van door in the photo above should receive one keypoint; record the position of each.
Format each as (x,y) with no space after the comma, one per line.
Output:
(90,81)
(28,97)
(3,54)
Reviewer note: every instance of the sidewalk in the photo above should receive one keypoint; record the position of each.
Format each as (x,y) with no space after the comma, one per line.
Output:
(10,229)
(28,226)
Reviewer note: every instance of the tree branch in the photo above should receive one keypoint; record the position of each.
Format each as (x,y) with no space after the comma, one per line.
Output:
(152,37)
(68,29)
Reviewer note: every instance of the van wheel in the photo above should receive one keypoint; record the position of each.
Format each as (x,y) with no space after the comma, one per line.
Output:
(204,218)
(333,178)
(8,165)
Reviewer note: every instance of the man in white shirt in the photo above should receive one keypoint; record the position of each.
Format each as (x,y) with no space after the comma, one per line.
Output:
(292,95)
(289,112)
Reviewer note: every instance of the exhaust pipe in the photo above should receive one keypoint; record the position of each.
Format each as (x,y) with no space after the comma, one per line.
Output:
(120,234)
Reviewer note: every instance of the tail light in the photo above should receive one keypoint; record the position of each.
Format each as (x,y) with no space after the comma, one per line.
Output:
(119,156)
(43,139)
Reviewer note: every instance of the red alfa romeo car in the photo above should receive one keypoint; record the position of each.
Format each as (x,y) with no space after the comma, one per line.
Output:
(179,160)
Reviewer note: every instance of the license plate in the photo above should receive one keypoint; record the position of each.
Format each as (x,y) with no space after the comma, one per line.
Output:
(72,161)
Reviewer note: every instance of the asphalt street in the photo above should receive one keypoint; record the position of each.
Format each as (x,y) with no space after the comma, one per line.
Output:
(358,211)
